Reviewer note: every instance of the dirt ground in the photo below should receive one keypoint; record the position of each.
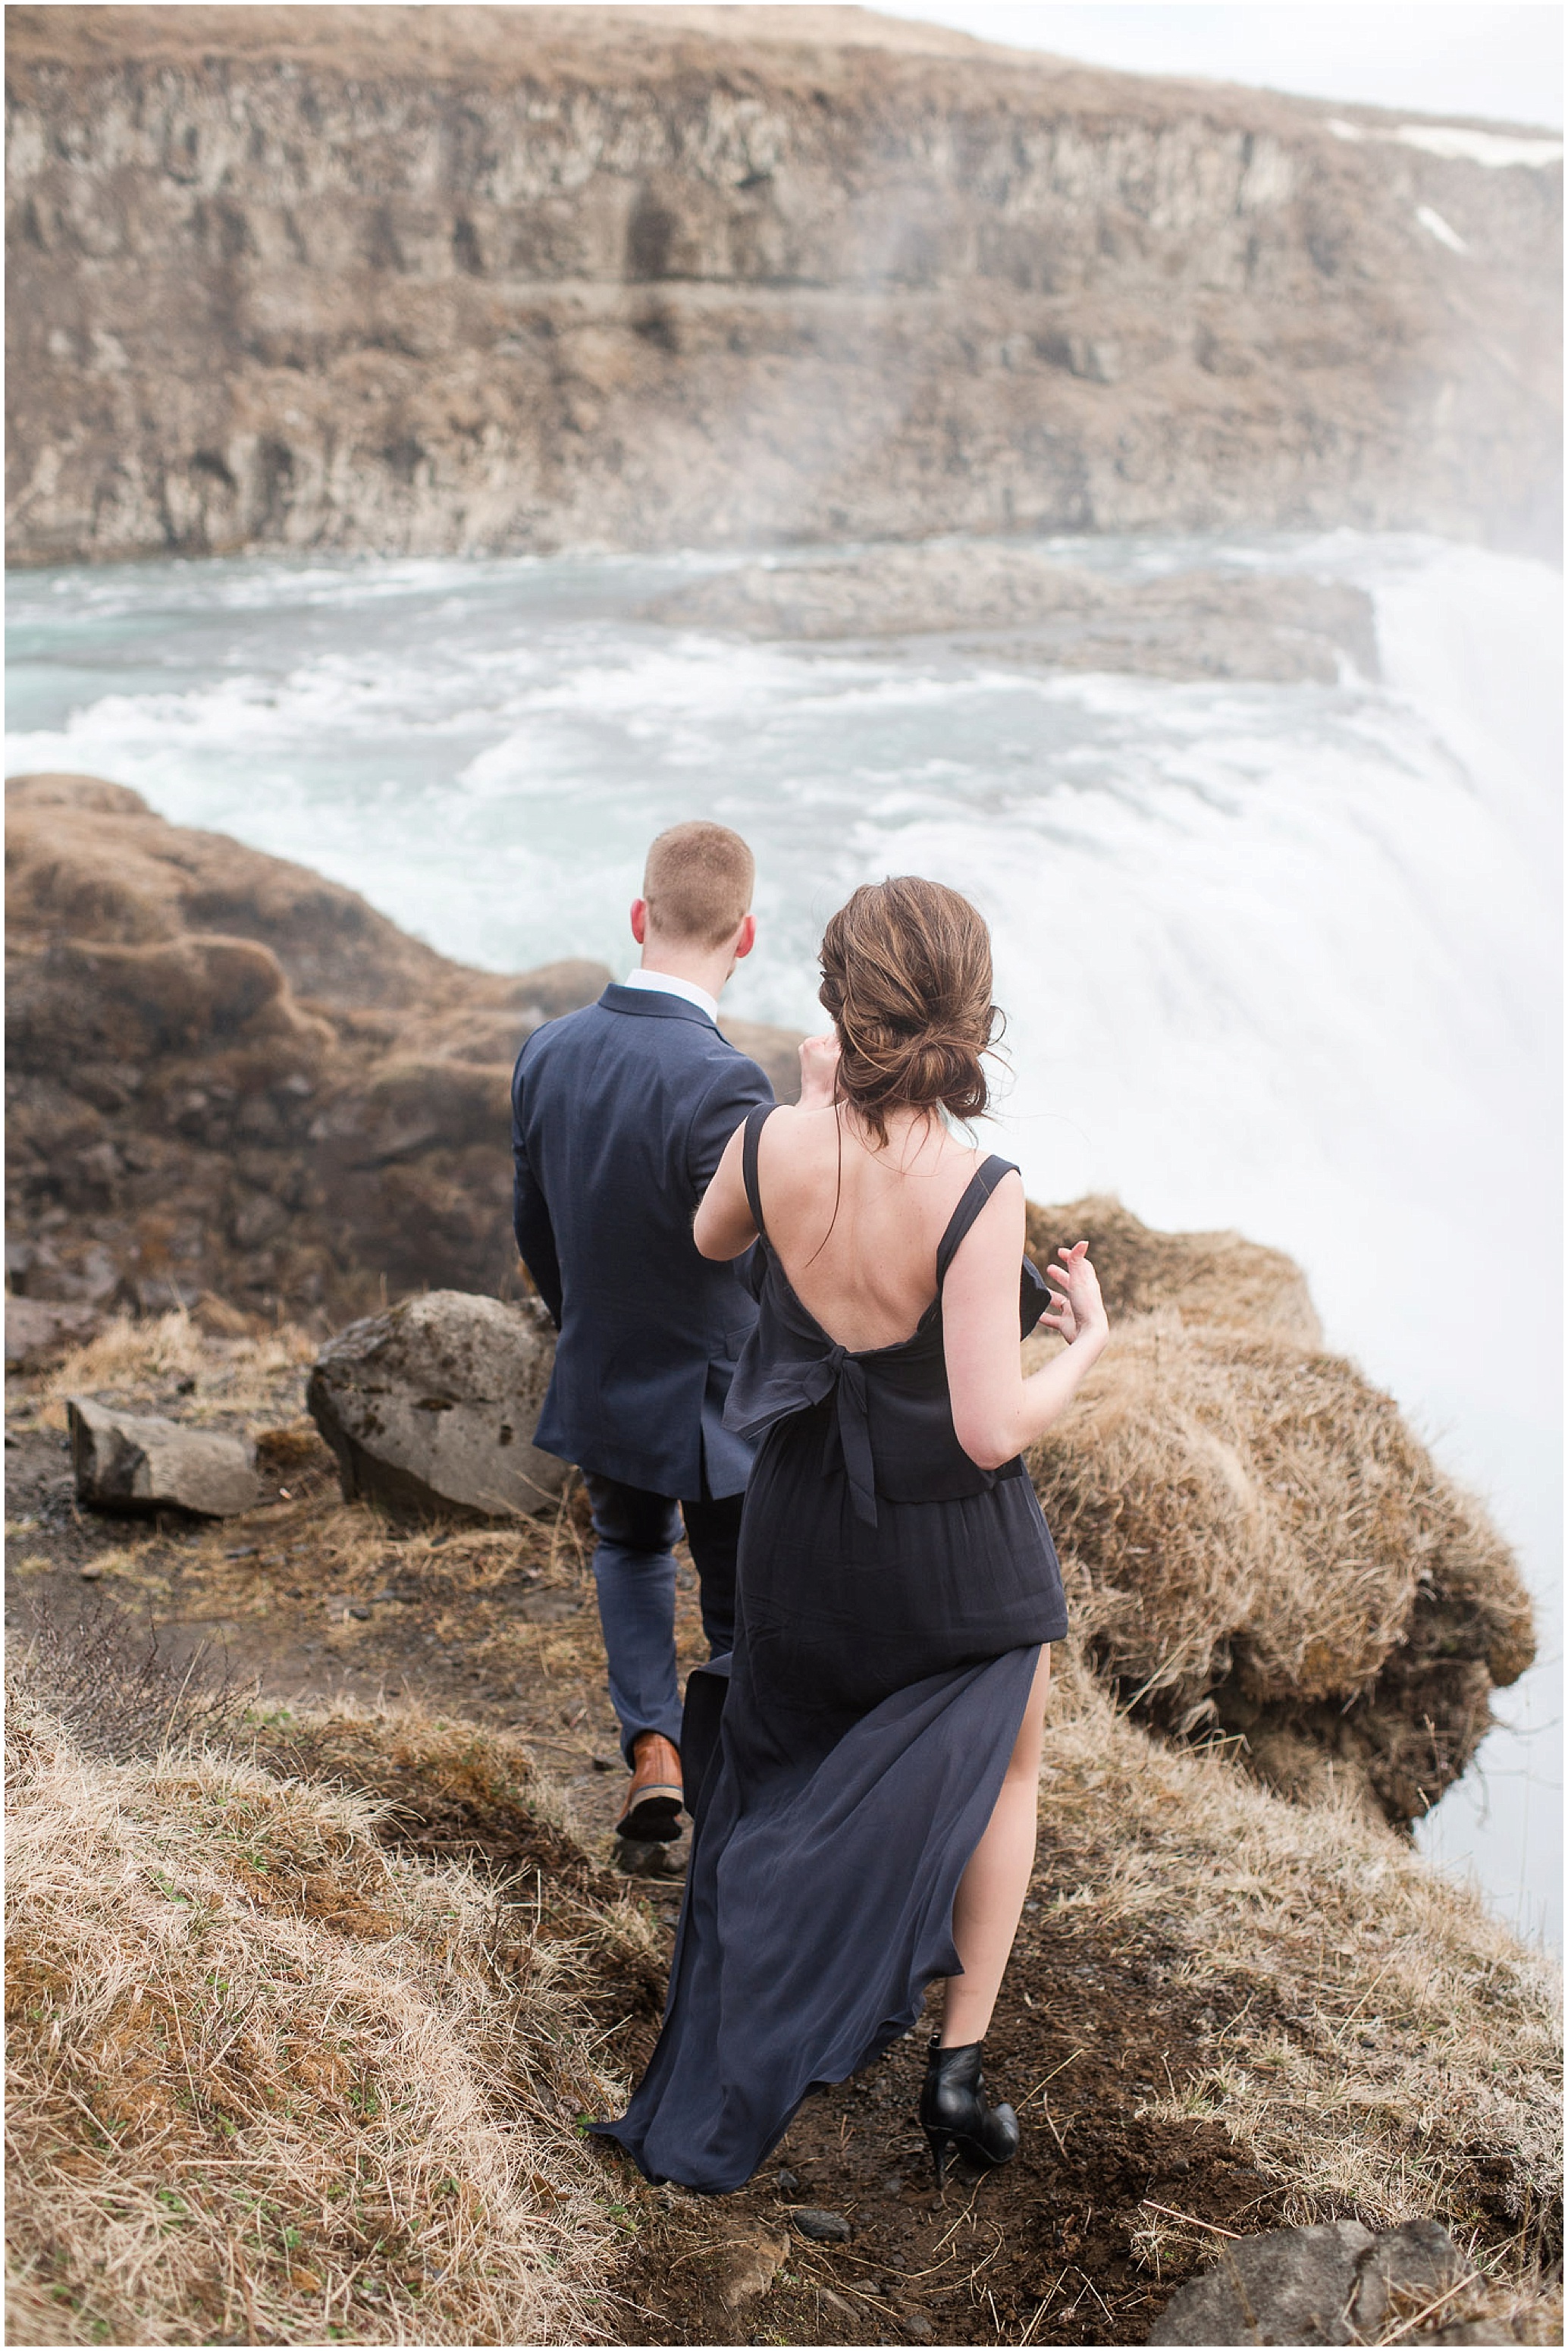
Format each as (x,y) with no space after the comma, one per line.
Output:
(1043,2252)
(1082,2240)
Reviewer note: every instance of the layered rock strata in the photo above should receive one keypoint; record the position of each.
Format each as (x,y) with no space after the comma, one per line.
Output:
(454,279)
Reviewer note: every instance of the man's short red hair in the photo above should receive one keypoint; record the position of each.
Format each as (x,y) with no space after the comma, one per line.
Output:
(698,882)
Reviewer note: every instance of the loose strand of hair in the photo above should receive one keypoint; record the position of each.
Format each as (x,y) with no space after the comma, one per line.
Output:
(838,1178)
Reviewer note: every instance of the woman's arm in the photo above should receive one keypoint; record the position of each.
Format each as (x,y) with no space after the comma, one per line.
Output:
(725,1227)
(996,1411)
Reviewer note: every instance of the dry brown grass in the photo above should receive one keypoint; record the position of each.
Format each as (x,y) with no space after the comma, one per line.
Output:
(268,2080)
(1400,2050)
(466,1582)
(234,1988)
(113,1686)
(351,1543)
(449,1790)
(1240,1511)
(1530,2309)
(131,1361)
(1208,1277)
(218,1963)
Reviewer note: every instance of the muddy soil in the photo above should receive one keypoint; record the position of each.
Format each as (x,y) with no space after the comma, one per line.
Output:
(1046,2251)
(1082,2240)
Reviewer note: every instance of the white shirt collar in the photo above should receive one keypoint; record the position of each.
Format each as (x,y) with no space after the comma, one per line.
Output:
(665,983)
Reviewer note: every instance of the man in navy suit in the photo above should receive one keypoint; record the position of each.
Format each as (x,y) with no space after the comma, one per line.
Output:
(619,1115)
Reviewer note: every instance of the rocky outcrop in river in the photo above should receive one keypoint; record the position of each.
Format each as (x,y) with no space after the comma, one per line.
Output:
(1018,604)
(489,279)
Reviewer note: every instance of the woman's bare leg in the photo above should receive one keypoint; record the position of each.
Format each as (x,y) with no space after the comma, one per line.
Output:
(991,1891)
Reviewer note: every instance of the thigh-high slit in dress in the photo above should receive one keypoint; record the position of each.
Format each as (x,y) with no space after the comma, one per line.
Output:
(892,1600)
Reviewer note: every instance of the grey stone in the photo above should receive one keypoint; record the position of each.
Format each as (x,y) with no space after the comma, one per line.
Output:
(1286,2285)
(749,2262)
(822,2227)
(1474,2330)
(430,1408)
(549,1607)
(40,1330)
(1334,2284)
(127,1463)
(639,1857)
(1413,2265)
(259,1218)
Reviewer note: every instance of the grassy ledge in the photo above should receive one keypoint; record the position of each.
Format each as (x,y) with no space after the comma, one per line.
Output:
(270,2081)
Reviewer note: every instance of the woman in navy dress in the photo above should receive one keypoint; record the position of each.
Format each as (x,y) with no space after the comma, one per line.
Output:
(865,1821)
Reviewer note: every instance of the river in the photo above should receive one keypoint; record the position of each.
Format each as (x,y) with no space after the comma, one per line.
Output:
(1284,958)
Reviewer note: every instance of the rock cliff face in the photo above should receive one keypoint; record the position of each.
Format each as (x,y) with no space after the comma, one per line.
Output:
(226,1074)
(492,278)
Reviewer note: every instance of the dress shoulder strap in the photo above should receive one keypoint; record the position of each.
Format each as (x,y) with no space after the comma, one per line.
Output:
(756,1120)
(977,1191)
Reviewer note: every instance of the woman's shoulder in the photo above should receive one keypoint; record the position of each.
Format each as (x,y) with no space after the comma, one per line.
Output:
(997,1205)
(993,1177)
(794,1127)
(968,1160)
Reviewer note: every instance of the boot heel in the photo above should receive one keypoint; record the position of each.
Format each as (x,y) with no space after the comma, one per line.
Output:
(940,2142)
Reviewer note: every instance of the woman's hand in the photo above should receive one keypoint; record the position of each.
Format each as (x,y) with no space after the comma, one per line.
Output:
(1076,1307)
(996,1411)
(819,1070)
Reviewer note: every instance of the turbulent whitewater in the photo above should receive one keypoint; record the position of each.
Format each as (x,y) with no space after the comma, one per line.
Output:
(1282,957)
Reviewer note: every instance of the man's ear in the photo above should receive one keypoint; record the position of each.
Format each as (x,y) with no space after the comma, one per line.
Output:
(640,920)
(746,937)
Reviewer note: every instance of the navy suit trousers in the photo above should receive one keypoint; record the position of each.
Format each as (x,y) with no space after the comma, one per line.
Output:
(634,1572)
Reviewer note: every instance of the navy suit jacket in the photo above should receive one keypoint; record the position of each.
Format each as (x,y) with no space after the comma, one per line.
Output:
(620,1116)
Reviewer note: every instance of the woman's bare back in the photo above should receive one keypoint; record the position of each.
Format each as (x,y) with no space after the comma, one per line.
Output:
(866,1267)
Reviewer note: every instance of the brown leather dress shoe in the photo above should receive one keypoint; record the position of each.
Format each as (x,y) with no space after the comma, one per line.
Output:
(652,1813)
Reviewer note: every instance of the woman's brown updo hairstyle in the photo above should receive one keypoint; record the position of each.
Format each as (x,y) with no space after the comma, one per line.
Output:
(906,976)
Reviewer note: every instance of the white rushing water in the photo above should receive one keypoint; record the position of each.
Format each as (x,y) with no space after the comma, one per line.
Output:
(1278,957)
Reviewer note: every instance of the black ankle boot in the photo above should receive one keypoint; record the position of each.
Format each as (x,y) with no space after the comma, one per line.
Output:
(954,2113)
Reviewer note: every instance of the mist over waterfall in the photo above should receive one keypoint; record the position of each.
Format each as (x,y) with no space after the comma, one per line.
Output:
(1275,957)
